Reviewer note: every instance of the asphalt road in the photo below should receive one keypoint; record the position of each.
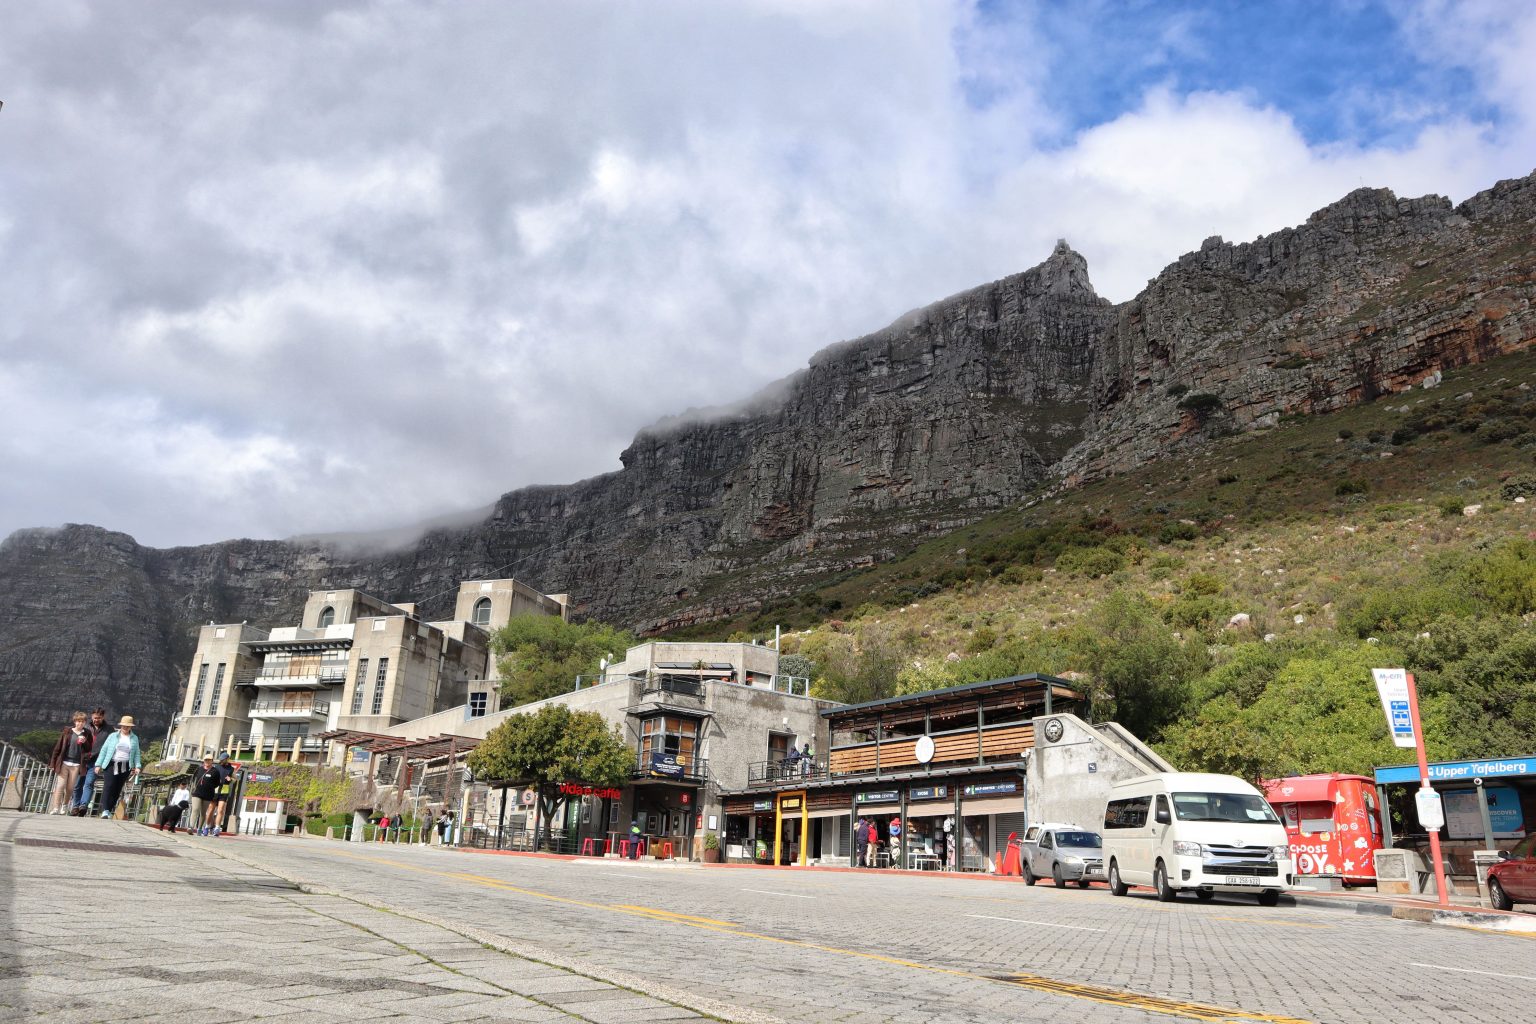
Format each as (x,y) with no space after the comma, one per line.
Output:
(857,947)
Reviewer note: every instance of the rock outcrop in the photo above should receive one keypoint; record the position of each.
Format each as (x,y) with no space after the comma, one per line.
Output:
(962,407)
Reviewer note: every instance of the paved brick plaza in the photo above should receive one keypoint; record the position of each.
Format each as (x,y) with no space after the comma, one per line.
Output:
(222,928)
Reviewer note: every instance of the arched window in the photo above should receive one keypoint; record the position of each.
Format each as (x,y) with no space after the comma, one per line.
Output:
(327,616)
(482,615)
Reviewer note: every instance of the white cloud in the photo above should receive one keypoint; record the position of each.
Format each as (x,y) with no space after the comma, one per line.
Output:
(261,261)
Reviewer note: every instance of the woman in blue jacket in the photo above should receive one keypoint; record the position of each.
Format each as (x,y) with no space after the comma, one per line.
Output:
(117,763)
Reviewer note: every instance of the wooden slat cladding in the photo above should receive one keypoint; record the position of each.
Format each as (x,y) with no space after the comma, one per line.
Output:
(1007,742)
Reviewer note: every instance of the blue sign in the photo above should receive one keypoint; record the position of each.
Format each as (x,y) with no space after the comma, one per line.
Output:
(666,764)
(260,778)
(1462,771)
(1401,721)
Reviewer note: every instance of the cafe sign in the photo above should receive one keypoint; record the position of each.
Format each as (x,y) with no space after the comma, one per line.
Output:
(581,789)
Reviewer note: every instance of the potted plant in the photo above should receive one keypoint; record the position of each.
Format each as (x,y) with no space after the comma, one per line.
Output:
(711,848)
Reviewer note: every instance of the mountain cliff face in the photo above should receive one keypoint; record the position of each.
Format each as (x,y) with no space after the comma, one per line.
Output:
(965,406)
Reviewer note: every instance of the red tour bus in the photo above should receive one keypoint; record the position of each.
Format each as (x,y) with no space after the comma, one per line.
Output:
(1333,822)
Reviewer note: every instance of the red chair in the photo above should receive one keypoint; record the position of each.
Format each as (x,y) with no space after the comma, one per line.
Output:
(591,847)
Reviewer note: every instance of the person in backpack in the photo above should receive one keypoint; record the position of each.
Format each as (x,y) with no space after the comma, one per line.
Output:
(860,842)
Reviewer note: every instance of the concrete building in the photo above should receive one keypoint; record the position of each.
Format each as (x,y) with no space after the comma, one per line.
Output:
(701,719)
(957,771)
(353,662)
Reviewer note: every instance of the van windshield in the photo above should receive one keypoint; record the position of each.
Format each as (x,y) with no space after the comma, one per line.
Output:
(1084,840)
(1237,807)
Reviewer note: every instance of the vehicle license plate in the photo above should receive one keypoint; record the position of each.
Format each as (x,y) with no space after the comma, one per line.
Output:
(1240,880)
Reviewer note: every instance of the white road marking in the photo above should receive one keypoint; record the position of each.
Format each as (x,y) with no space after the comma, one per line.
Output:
(770,892)
(1042,924)
(1468,970)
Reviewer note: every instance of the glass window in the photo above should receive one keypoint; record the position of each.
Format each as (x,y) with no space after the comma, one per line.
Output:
(218,688)
(1129,812)
(378,686)
(359,684)
(327,616)
(1080,840)
(478,703)
(482,613)
(197,694)
(1238,807)
(669,735)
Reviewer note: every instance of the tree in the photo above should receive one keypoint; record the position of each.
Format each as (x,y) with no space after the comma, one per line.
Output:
(1140,671)
(540,656)
(37,742)
(554,745)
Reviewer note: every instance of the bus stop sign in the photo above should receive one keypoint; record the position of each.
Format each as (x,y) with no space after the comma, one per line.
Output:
(1431,810)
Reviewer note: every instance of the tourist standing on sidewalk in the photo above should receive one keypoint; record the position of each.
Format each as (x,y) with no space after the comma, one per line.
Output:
(860,842)
(118,763)
(205,791)
(444,823)
(69,753)
(85,788)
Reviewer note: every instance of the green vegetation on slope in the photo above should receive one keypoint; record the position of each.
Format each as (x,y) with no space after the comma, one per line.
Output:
(1393,533)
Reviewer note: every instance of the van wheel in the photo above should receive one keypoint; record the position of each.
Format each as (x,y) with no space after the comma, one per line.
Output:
(1116,886)
(1029,876)
(1165,892)
(1061,883)
(1269,898)
(1498,897)
(1204,895)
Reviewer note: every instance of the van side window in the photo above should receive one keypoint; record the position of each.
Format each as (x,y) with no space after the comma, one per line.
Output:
(1128,812)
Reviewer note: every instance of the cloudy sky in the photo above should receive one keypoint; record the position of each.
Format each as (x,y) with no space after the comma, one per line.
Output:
(281,267)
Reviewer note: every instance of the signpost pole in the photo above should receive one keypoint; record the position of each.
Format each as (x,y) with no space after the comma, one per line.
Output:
(1442,894)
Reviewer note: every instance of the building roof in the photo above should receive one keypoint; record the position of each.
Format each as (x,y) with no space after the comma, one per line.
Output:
(412,750)
(1034,680)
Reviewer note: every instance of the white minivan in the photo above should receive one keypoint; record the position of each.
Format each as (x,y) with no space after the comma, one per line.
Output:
(1187,830)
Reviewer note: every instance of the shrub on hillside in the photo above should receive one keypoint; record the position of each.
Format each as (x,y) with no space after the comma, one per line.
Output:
(1090,562)
(1177,531)
(1201,405)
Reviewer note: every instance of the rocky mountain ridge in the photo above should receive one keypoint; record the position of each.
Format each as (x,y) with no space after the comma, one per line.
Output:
(967,405)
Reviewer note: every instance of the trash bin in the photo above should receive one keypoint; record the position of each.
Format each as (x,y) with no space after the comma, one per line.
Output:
(1483,860)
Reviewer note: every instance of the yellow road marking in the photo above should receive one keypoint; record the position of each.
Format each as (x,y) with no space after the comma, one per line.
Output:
(1267,923)
(1092,993)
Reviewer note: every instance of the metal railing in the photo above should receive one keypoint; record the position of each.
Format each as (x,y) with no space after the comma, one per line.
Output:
(273,707)
(786,769)
(693,769)
(25,782)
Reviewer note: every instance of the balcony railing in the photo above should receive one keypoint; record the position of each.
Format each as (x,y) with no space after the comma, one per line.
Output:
(691,769)
(786,769)
(277,708)
(284,743)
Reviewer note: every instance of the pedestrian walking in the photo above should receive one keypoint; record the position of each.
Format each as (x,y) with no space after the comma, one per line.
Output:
(85,787)
(226,772)
(118,763)
(175,807)
(205,791)
(381,830)
(69,753)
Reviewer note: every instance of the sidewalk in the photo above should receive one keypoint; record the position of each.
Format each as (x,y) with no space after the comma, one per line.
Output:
(175,932)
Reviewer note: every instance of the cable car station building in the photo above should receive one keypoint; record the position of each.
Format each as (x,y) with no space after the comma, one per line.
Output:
(946,776)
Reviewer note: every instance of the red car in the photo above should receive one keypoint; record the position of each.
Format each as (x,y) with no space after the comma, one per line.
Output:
(1513,880)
